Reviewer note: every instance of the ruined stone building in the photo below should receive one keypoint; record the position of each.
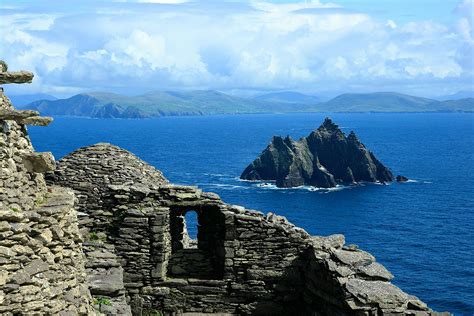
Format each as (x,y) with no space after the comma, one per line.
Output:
(104,232)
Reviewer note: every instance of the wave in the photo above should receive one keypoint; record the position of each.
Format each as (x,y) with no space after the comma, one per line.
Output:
(417,181)
(225,186)
(253,181)
(272,186)
(217,175)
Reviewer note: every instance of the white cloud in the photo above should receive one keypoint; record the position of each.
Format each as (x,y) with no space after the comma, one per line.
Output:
(310,46)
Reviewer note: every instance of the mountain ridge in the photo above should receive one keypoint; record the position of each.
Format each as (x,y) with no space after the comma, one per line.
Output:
(210,102)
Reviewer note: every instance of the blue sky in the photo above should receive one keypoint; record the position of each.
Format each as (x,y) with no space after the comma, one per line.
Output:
(420,47)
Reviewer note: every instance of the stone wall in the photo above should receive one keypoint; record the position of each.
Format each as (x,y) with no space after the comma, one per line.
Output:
(245,262)
(41,259)
(19,188)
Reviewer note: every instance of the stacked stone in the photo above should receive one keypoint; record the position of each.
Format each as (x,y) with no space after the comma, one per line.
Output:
(92,174)
(246,263)
(41,260)
(105,279)
(20,183)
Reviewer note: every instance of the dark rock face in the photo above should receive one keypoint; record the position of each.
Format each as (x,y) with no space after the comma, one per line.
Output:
(324,159)
(402,178)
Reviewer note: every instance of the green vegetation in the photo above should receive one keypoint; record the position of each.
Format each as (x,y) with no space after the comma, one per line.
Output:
(97,237)
(41,200)
(162,103)
(102,301)
(376,102)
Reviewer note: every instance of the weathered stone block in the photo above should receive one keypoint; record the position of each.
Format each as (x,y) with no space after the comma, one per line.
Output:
(39,162)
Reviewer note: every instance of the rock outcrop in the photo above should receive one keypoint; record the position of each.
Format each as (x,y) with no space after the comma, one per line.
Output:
(324,159)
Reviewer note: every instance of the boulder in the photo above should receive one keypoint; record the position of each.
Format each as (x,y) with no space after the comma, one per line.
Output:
(325,158)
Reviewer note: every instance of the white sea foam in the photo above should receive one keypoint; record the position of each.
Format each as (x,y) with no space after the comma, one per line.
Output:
(226,186)
(272,186)
(217,175)
(252,181)
(266,185)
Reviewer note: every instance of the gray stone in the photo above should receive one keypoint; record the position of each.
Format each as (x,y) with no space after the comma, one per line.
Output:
(108,282)
(332,241)
(39,162)
(375,271)
(353,258)
(36,266)
(16,77)
(378,292)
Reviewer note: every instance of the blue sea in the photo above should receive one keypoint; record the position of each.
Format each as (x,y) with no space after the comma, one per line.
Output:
(422,231)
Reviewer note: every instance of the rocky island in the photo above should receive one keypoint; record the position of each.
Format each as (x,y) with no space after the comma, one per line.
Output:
(101,232)
(325,158)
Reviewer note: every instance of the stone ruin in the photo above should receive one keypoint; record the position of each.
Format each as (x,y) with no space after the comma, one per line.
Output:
(41,259)
(105,233)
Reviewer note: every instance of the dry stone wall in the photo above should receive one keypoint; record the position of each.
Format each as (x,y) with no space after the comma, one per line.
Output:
(41,259)
(245,262)
(19,188)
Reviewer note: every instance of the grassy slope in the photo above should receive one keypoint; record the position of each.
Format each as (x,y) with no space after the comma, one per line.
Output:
(377,102)
(212,102)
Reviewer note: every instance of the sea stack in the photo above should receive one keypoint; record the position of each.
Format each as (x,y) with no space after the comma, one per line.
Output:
(325,158)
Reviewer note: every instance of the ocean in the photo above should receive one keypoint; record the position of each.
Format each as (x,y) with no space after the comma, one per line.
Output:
(422,231)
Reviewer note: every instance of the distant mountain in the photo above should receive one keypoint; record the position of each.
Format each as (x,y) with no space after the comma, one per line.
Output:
(204,102)
(457,96)
(24,99)
(375,102)
(461,105)
(160,103)
(392,102)
(289,97)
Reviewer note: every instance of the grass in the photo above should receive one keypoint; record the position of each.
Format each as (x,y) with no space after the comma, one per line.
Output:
(97,237)
(41,200)
(102,301)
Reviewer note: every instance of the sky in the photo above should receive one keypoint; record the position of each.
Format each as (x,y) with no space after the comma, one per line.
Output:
(418,47)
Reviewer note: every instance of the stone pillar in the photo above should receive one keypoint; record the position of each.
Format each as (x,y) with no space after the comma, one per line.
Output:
(160,243)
